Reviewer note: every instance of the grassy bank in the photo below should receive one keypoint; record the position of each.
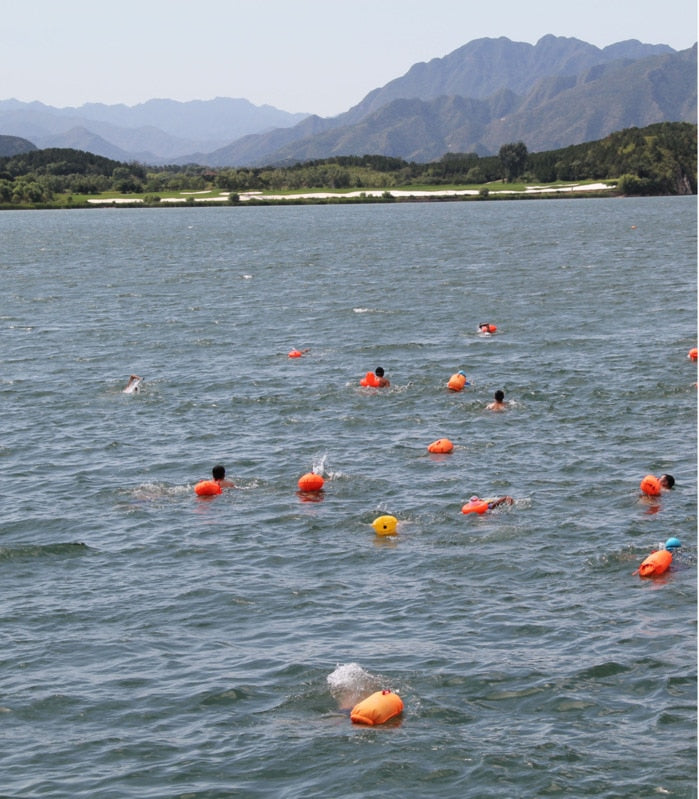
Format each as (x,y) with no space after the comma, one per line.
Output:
(412,193)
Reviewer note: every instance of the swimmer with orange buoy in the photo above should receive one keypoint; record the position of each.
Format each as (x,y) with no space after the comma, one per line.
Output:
(652,486)
(659,561)
(298,353)
(377,708)
(375,379)
(486,329)
(210,488)
(457,381)
(480,506)
(692,354)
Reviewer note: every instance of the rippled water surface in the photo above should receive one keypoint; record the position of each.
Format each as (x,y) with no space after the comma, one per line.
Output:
(159,645)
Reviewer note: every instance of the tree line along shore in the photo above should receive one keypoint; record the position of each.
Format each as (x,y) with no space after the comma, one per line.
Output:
(660,159)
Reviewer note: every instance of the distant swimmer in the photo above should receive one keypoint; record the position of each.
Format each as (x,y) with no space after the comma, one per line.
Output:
(375,379)
(667,481)
(478,505)
(486,329)
(382,382)
(653,486)
(494,503)
(498,403)
(134,385)
(219,475)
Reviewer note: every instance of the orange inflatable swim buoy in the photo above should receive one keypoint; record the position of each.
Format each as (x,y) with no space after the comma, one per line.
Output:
(692,354)
(377,708)
(311,482)
(207,488)
(295,354)
(650,485)
(475,505)
(369,380)
(457,381)
(441,446)
(655,564)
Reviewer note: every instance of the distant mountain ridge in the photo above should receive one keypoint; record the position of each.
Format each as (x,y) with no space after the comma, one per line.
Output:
(488,92)
(152,132)
(560,108)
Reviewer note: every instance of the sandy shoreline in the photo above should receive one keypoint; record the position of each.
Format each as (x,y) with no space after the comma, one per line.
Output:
(398,193)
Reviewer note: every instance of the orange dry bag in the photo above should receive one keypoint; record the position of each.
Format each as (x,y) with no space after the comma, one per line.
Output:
(370,380)
(650,485)
(456,382)
(207,488)
(311,482)
(441,445)
(655,564)
(377,708)
(475,505)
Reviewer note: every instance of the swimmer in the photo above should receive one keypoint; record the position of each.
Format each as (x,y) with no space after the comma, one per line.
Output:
(134,385)
(499,402)
(381,381)
(667,482)
(486,329)
(219,475)
(494,503)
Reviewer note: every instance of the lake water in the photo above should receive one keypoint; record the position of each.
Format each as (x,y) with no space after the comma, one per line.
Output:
(159,645)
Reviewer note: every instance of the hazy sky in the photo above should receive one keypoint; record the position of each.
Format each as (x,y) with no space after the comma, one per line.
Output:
(316,56)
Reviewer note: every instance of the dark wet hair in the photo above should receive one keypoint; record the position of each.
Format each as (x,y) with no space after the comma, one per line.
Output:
(218,472)
(667,480)
(379,371)
(499,395)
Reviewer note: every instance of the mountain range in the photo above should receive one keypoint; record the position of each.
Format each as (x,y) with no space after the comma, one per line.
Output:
(490,92)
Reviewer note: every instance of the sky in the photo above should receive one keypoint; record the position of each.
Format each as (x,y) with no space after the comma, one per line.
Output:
(308,56)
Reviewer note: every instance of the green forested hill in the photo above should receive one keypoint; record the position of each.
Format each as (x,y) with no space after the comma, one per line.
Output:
(658,159)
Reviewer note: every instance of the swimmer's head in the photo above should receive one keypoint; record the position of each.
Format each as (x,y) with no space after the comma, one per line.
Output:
(218,472)
(667,480)
(474,499)
(499,395)
(379,371)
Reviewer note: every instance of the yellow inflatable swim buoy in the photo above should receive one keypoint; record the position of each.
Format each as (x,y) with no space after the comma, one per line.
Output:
(377,708)
(385,525)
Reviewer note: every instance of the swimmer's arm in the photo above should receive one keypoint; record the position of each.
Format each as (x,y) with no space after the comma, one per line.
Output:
(500,501)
